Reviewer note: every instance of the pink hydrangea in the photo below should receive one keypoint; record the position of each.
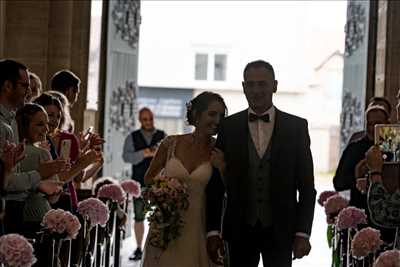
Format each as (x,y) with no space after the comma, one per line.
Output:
(389,258)
(102,181)
(365,241)
(350,217)
(72,224)
(61,222)
(324,196)
(113,192)
(131,187)
(96,211)
(333,205)
(16,251)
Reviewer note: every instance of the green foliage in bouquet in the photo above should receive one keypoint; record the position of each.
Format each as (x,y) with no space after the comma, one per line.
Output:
(166,201)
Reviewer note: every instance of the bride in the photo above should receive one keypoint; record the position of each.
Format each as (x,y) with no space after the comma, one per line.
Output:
(189,157)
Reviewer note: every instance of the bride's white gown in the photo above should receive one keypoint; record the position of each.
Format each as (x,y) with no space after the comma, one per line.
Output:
(189,249)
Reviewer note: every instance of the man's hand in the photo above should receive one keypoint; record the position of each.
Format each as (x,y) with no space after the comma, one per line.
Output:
(215,249)
(301,247)
(148,153)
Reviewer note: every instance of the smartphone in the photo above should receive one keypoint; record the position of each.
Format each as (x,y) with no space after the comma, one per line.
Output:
(88,132)
(65,149)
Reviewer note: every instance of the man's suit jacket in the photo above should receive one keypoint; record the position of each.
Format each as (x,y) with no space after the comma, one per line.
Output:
(291,174)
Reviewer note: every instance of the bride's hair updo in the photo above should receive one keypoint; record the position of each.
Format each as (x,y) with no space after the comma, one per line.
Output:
(199,104)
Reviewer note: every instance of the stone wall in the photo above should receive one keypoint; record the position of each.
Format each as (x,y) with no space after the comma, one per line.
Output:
(48,36)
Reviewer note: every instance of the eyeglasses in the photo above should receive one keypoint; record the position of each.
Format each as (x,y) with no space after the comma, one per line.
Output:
(253,84)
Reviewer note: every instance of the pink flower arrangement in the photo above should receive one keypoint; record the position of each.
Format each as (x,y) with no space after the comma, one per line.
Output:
(333,205)
(389,258)
(350,217)
(166,200)
(58,221)
(16,251)
(365,241)
(96,211)
(131,187)
(324,196)
(113,192)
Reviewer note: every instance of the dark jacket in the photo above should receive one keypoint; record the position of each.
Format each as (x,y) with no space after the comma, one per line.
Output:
(291,172)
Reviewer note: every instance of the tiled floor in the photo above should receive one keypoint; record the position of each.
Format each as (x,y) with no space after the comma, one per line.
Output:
(320,253)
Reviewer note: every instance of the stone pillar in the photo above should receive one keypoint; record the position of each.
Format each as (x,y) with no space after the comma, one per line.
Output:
(26,34)
(2,27)
(48,36)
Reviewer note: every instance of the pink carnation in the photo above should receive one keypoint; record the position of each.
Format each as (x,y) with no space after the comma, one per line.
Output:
(96,211)
(113,192)
(324,196)
(350,217)
(365,241)
(16,251)
(389,258)
(333,205)
(61,222)
(131,187)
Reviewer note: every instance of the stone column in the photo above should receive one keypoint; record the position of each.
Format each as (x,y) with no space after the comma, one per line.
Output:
(48,36)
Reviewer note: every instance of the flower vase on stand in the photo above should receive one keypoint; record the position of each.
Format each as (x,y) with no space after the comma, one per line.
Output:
(94,213)
(55,254)
(85,258)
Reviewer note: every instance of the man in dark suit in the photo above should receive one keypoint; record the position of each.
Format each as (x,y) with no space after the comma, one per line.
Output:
(268,177)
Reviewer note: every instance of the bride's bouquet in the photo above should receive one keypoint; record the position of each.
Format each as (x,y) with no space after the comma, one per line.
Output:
(166,200)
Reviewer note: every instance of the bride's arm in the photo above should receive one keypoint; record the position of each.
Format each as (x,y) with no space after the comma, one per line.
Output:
(158,162)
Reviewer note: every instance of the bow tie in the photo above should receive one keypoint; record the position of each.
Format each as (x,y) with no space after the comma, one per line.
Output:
(254,117)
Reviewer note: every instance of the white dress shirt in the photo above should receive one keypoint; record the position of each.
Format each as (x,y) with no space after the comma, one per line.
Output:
(261,131)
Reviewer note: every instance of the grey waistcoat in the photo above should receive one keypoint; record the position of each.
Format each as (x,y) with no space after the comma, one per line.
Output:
(257,203)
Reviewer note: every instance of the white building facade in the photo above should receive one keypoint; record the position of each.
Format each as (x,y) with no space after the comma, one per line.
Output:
(187,47)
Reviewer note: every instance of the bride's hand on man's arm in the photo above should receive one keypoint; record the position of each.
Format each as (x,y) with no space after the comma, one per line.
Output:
(218,160)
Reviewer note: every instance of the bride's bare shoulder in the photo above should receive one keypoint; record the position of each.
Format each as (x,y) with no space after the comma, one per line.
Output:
(176,138)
